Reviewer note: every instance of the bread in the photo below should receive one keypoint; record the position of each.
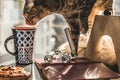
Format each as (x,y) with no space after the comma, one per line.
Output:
(13,73)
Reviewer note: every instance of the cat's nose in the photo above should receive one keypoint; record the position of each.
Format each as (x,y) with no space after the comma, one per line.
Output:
(28,23)
(27,20)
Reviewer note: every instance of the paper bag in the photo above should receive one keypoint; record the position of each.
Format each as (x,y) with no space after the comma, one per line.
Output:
(105,26)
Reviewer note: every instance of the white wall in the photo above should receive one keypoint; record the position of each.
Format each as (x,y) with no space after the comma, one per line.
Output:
(116,7)
(10,16)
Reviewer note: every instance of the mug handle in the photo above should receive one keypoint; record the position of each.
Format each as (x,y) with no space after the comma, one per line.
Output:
(5,45)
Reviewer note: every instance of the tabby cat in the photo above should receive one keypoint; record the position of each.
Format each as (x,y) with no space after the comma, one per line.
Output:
(75,12)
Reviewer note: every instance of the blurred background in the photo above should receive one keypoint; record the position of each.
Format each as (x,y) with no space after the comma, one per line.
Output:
(49,33)
(10,15)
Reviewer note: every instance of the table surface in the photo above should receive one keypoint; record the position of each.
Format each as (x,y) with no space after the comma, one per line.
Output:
(8,59)
(35,75)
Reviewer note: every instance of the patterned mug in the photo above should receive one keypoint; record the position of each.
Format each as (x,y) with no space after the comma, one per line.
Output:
(23,41)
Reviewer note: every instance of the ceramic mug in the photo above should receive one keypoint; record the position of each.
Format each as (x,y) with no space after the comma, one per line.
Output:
(23,43)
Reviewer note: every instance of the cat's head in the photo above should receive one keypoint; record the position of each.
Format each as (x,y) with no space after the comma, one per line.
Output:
(31,12)
(34,10)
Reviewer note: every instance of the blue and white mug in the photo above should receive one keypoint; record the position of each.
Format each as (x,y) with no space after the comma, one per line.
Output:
(23,43)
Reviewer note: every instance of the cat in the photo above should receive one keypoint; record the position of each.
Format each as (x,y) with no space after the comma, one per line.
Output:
(75,12)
